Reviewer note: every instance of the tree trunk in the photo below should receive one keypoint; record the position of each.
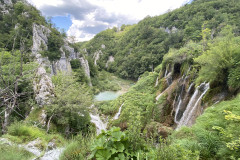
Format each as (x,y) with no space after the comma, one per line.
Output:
(8,111)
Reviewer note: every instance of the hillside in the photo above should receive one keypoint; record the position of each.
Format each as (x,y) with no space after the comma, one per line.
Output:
(178,99)
(139,48)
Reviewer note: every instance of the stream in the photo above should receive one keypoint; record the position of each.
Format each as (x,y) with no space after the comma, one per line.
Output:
(107,96)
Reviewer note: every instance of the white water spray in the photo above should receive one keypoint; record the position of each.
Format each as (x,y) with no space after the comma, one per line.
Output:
(118,113)
(100,125)
(192,105)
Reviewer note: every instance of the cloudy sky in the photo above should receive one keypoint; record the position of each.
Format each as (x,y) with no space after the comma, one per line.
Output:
(85,18)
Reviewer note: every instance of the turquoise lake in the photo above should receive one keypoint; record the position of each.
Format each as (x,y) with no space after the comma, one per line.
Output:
(106,96)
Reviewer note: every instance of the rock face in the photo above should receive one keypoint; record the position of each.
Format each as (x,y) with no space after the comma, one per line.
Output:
(40,40)
(97,56)
(42,84)
(110,60)
(4,6)
(86,68)
(43,87)
(4,3)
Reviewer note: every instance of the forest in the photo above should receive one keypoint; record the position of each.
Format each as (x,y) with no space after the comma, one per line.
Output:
(176,76)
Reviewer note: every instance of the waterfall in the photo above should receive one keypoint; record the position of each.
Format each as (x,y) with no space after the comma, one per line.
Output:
(118,113)
(169,78)
(177,111)
(166,71)
(192,107)
(156,84)
(100,125)
(157,98)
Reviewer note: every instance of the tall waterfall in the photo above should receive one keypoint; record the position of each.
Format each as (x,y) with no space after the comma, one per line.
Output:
(192,109)
(100,125)
(118,113)
(181,98)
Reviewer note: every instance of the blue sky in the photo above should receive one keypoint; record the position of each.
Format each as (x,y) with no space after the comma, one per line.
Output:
(62,22)
(83,19)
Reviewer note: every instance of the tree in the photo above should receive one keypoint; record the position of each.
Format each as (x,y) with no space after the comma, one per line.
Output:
(69,106)
(15,83)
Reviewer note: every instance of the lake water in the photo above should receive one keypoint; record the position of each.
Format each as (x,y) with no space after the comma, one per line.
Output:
(107,95)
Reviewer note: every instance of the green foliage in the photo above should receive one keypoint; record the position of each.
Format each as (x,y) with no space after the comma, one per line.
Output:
(69,107)
(229,135)
(181,150)
(75,64)
(112,144)
(55,42)
(219,63)
(15,81)
(22,133)
(16,27)
(141,47)
(139,104)
(215,131)
(14,152)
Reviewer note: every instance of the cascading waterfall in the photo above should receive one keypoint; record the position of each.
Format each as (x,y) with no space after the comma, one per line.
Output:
(180,99)
(118,113)
(192,107)
(100,125)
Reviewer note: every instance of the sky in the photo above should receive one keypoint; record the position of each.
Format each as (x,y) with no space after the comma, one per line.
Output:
(85,18)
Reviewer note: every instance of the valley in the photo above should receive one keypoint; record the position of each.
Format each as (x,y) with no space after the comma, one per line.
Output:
(165,88)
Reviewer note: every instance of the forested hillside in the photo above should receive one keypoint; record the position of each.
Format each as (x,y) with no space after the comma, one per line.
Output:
(139,48)
(179,98)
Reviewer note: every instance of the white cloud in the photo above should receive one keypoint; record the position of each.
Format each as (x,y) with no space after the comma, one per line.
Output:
(92,16)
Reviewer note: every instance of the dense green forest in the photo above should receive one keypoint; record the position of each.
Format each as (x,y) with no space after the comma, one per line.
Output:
(184,103)
(141,47)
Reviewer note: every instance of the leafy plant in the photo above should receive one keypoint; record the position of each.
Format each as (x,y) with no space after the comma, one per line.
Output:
(112,144)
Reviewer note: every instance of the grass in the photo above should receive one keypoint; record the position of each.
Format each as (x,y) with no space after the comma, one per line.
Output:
(14,153)
(78,148)
(21,133)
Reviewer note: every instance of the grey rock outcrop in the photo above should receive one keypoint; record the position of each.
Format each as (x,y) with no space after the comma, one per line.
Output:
(86,68)
(4,5)
(7,2)
(43,87)
(97,56)
(110,60)
(40,39)
(42,83)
